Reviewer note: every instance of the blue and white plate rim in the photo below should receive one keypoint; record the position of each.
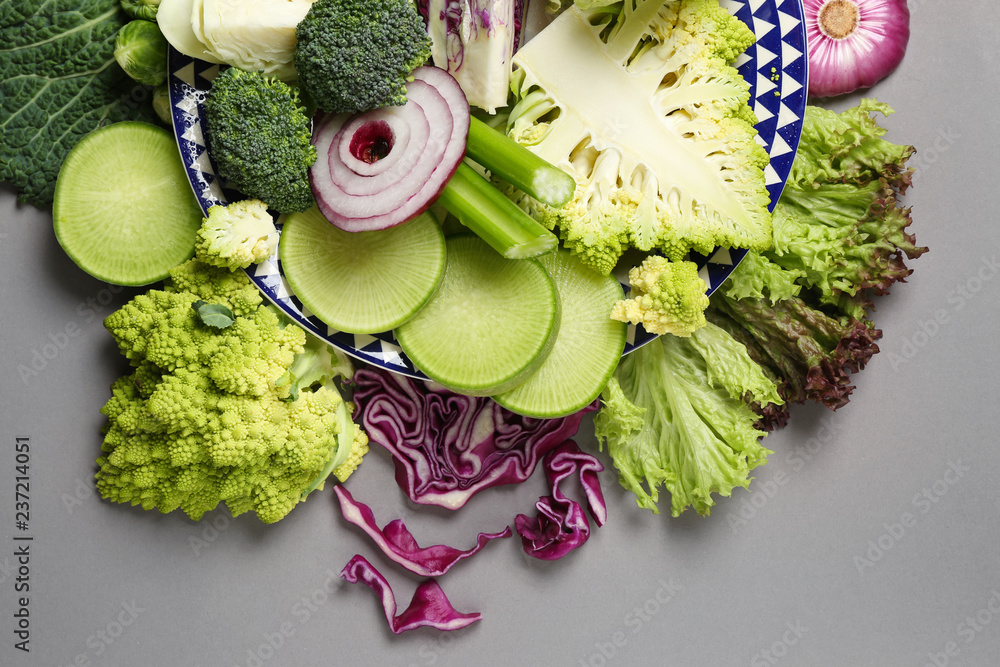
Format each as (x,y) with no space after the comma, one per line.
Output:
(776,68)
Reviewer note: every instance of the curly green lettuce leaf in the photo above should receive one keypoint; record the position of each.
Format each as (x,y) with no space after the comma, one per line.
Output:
(839,228)
(58,81)
(675,416)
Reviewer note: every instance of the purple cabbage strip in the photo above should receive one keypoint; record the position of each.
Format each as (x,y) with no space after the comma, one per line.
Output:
(561,524)
(400,546)
(447,447)
(428,607)
(568,458)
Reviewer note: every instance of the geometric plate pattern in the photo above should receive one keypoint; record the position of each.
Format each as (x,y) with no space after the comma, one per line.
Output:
(775,66)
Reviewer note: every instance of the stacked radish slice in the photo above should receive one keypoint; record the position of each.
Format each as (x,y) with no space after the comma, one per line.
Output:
(384,167)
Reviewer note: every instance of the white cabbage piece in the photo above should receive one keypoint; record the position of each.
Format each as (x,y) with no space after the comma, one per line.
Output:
(174,19)
(254,35)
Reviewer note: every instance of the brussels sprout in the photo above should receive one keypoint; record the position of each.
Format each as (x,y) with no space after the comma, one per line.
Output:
(141,9)
(161,104)
(141,50)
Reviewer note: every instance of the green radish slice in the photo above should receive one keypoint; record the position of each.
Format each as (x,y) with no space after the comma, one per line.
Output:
(123,208)
(490,324)
(362,282)
(587,349)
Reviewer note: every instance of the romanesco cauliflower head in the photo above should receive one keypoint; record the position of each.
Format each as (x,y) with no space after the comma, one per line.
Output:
(642,107)
(237,235)
(207,416)
(667,297)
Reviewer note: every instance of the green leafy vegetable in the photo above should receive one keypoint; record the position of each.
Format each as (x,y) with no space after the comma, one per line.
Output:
(58,81)
(214,315)
(840,239)
(674,415)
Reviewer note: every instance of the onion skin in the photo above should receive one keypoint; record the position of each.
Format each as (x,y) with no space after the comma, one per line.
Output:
(871,51)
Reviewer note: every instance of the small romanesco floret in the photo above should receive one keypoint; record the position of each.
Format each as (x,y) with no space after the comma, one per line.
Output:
(237,235)
(208,416)
(638,101)
(667,297)
(357,55)
(260,138)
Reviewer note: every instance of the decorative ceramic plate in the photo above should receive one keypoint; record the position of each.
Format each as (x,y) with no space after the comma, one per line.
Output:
(775,68)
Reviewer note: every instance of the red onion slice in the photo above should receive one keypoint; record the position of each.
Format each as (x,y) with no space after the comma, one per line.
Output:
(401,136)
(383,167)
(410,169)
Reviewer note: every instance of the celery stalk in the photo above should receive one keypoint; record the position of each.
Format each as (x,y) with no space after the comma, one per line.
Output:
(517,165)
(493,217)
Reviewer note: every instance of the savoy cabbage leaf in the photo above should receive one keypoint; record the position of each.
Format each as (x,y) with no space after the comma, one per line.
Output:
(58,81)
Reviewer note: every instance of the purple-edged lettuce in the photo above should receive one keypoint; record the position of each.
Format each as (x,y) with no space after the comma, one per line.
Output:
(561,524)
(447,447)
(428,607)
(397,543)
(809,353)
(840,239)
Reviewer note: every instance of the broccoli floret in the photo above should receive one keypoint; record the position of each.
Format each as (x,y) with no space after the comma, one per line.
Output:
(356,55)
(260,138)
(236,235)
(667,297)
(207,416)
(639,103)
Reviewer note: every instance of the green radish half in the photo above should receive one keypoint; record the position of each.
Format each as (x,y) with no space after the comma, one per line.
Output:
(490,324)
(123,208)
(587,349)
(361,282)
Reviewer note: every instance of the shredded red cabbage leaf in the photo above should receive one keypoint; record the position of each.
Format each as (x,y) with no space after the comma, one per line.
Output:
(447,447)
(428,607)
(561,524)
(401,547)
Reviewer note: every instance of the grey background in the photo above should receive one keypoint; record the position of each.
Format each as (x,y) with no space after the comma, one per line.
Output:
(854,546)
